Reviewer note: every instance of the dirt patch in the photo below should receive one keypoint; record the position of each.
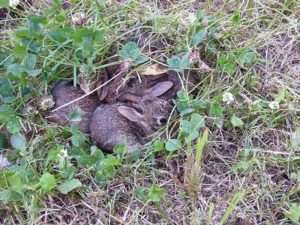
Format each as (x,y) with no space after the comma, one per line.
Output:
(282,56)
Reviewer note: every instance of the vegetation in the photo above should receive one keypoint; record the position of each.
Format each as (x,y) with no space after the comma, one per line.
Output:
(229,153)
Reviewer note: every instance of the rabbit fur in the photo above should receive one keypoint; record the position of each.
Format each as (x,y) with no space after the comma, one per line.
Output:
(122,124)
(64,92)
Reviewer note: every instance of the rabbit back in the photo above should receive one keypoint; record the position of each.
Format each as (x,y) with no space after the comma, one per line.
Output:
(64,92)
(108,128)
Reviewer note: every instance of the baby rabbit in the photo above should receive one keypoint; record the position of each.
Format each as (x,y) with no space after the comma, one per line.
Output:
(64,92)
(137,87)
(122,124)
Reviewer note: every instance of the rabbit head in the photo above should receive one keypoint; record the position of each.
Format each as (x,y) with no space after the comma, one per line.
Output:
(148,112)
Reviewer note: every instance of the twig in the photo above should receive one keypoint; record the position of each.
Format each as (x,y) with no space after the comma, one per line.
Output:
(89,93)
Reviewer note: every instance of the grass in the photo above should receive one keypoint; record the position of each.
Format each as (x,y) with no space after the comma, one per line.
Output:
(230,153)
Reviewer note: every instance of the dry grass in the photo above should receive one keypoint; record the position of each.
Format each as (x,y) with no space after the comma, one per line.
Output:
(252,165)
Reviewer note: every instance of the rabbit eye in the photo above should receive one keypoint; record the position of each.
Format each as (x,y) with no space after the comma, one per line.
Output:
(162,121)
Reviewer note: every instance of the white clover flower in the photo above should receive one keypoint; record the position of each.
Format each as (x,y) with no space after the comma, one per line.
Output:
(191,18)
(274,105)
(4,162)
(14,3)
(228,98)
(188,19)
(64,153)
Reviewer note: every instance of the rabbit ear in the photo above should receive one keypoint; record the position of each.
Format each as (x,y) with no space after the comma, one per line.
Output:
(129,97)
(160,88)
(130,113)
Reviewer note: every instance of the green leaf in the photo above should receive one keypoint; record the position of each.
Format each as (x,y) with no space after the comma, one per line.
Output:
(238,196)
(107,168)
(76,115)
(15,69)
(200,104)
(85,159)
(246,57)
(182,101)
(77,138)
(29,64)
(97,153)
(6,112)
(197,121)
(15,183)
(82,34)
(18,141)
(243,166)
(3,141)
(200,14)
(20,51)
(201,142)
(120,149)
(110,162)
(13,125)
(5,88)
(186,112)
(179,64)
(69,186)
(47,182)
(5,195)
(216,110)
(33,73)
(131,51)
(10,196)
(36,23)
(190,128)
(59,35)
(236,18)
(4,3)
(280,97)
(198,37)
(99,37)
(236,121)
(54,154)
(173,145)
(293,213)
(29,61)
(140,193)
(158,145)
(156,193)
(227,63)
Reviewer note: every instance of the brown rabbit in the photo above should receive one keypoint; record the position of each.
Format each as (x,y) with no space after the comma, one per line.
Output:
(64,92)
(136,86)
(119,123)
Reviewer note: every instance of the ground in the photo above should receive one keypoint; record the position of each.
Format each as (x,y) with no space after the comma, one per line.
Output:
(229,153)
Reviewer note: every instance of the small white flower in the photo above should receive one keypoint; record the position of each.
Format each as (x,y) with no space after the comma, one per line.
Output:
(4,162)
(191,17)
(228,98)
(274,105)
(14,3)
(188,19)
(63,153)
